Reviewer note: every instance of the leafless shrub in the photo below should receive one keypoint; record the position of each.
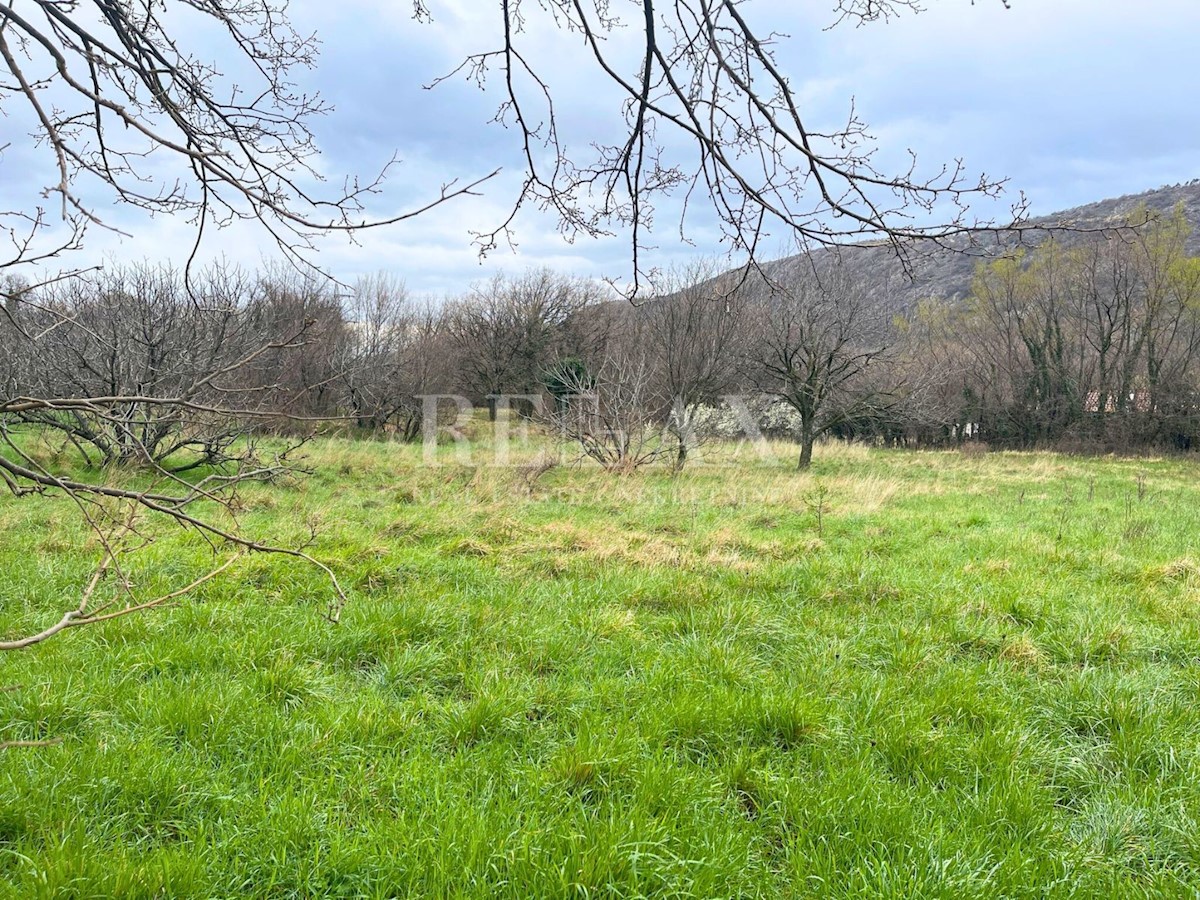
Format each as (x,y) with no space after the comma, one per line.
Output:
(608,412)
(130,366)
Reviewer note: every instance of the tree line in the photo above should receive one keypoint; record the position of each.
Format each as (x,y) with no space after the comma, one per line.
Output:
(1091,346)
(1088,346)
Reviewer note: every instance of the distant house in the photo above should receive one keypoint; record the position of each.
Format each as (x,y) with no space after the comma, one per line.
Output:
(1137,401)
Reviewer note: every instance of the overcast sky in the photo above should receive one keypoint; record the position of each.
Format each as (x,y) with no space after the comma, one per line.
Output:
(1071,100)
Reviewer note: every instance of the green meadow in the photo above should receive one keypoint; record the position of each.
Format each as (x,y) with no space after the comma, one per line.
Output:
(899,674)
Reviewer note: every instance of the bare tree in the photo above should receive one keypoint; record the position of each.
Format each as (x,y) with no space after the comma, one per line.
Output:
(298,382)
(940,405)
(371,350)
(12,356)
(607,406)
(821,338)
(391,351)
(509,331)
(217,350)
(695,329)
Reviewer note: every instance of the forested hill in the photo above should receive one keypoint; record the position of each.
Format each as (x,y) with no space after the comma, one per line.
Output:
(947,274)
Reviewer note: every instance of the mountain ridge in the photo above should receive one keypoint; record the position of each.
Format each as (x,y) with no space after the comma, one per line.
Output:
(947,272)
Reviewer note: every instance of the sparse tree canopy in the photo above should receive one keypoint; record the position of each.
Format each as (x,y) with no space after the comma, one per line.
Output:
(130,103)
(128,109)
(710,118)
(695,330)
(1094,344)
(820,340)
(510,330)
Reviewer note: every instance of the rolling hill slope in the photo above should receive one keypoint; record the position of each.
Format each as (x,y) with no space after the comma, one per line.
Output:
(946,273)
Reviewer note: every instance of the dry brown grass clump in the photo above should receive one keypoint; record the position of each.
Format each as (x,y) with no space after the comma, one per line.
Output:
(1021,651)
(1180,569)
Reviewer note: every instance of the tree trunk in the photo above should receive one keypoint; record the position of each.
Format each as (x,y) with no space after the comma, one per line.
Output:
(806,445)
(681,454)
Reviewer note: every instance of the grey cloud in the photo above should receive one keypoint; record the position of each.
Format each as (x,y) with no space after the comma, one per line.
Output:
(1073,101)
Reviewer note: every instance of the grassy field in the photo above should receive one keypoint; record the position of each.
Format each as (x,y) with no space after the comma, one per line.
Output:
(974,676)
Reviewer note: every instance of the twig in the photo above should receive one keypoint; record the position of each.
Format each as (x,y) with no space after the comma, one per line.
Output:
(49,742)
(80,616)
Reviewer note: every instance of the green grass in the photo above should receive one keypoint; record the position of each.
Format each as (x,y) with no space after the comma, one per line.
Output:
(980,679)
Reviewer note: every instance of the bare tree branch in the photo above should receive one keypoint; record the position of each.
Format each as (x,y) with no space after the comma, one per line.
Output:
(709,110)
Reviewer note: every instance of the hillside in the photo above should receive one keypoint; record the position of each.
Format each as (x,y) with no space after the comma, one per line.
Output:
(948,272)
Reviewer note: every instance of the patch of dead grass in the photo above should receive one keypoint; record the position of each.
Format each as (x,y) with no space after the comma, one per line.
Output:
(1184,568)
(1022,652)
